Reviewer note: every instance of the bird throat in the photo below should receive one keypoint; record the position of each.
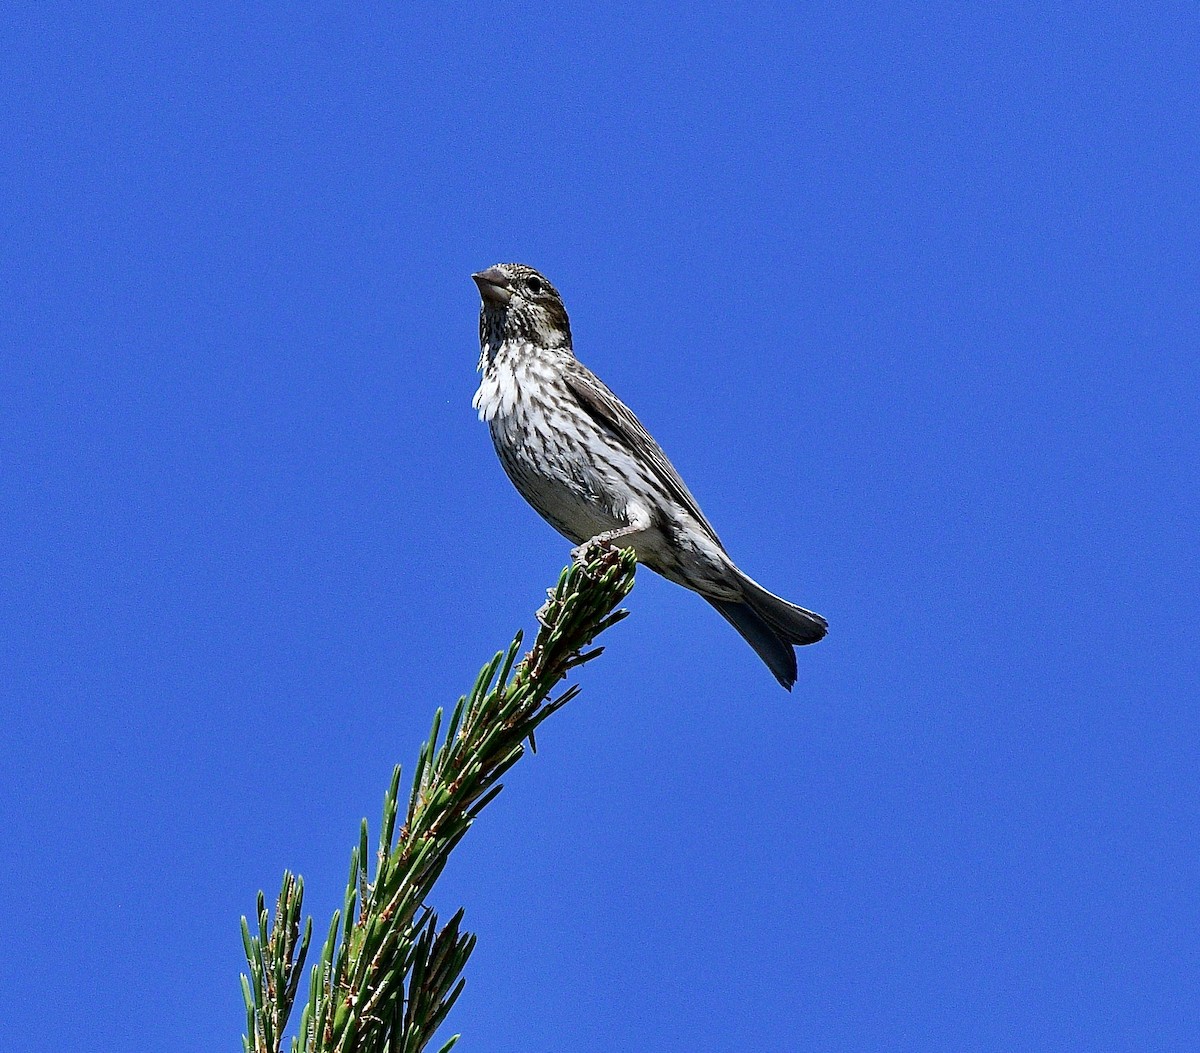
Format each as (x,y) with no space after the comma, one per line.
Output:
(493,323)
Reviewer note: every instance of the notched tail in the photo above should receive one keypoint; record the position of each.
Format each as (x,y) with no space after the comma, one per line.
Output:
(793,624)
(773,627)
(757,632)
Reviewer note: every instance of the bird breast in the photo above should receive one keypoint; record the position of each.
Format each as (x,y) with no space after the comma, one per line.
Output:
(550,449)
(510,375)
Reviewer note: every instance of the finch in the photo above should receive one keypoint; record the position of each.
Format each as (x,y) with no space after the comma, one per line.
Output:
(581,458)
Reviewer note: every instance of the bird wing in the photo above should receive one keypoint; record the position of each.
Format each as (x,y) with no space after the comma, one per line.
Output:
(611,414)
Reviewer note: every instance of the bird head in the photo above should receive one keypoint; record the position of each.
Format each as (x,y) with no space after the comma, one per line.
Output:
(520,304)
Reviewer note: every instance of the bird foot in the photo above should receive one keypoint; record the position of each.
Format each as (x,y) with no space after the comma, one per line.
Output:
(590,549)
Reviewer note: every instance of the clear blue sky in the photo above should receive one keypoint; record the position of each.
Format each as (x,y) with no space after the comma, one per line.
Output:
(911,298)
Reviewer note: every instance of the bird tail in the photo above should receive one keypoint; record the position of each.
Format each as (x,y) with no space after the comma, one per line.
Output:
(772,626)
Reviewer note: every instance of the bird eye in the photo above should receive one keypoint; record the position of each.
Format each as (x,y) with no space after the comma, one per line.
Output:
(534,286)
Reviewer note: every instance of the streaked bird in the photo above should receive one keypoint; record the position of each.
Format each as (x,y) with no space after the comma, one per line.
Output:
(583,460)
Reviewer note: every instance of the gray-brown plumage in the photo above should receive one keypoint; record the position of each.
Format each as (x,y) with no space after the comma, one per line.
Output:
(578,455)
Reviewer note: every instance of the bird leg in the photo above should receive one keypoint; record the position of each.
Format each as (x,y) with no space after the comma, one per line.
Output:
(581,554)
(628,536)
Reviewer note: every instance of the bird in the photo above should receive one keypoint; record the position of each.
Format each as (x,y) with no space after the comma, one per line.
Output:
(586,464)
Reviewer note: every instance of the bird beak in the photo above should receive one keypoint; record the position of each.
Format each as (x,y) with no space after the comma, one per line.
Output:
(493,286)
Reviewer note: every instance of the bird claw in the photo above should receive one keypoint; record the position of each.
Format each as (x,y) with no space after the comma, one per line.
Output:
(590,549)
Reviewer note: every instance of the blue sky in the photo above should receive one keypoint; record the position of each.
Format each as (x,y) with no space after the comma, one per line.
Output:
(909,297)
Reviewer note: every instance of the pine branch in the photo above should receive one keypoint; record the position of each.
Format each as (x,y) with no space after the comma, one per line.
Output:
(388,973)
